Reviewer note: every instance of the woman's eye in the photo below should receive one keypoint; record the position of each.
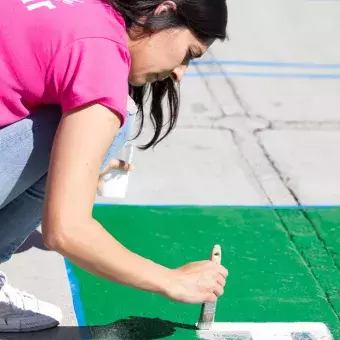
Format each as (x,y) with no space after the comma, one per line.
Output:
(189,56)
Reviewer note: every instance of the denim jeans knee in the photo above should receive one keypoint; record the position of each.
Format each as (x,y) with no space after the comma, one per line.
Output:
(24,151)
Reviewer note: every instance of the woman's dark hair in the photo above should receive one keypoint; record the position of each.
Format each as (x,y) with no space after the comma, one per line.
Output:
(208,21)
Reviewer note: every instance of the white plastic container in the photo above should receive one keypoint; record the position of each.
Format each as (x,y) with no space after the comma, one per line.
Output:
(114,184)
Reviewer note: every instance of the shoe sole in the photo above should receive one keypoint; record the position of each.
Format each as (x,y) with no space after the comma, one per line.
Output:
(30,329)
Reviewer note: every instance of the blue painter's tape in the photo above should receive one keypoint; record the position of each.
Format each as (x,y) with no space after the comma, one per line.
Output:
(268,206)
(85,333)
(266,64)
(264,75)
(78,307)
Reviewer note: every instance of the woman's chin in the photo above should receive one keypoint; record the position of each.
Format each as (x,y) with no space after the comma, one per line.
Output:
(138,81)
(136,84)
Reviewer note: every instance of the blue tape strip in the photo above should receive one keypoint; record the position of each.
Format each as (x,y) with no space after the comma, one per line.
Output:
(78,307)
(227,205)
(266,64)
(263,75)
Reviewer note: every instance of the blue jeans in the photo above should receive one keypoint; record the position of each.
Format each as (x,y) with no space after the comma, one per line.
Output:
(25,149)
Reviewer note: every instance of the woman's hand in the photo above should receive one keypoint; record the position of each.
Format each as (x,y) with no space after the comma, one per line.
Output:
(114,164)
(197,282)
(117,164)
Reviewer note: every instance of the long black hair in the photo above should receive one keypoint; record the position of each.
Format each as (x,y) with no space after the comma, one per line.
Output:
(208,21)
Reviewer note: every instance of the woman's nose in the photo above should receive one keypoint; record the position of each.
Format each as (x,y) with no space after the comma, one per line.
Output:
(178,73)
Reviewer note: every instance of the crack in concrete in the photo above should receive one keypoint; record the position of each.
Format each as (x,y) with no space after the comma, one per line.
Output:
(307,218)
(306,125)
(276,169)
(259,183)
(236,122)
(206,83)
(270,125)
(232,86)
(306,259)
(330,254)
(296,198)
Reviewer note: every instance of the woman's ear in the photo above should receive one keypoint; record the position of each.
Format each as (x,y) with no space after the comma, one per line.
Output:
(165,6)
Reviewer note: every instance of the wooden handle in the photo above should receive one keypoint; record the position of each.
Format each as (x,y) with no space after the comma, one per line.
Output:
(216,254)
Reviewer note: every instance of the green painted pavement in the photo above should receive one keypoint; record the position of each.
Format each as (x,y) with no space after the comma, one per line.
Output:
(313,231)
(282,264)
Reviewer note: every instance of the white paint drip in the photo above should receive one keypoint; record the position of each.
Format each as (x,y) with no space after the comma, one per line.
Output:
(266,331)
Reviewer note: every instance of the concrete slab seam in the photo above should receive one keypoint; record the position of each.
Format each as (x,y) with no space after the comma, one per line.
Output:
(255,155)
(249,165)
(329,125)
(271,125)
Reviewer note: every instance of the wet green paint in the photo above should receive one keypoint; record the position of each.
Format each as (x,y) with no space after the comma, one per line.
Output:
(316,234)
(273,256)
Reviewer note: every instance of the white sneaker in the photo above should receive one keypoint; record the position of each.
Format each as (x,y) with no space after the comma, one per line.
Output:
(22,312)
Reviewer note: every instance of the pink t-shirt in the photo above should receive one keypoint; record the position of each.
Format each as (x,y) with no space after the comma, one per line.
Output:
(67,52)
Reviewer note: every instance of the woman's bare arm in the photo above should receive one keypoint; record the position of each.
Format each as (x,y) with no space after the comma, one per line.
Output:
(81,142)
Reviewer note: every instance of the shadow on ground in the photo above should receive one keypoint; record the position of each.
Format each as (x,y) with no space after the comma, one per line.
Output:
(132,328)
(34,240)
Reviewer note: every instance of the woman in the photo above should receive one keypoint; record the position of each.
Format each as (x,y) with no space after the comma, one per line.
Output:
(66,70)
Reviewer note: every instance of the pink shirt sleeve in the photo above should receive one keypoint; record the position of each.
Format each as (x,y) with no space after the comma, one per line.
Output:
(91,70)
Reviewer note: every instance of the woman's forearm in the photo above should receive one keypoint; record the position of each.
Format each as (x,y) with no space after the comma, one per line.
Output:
(71,188)
(91,247)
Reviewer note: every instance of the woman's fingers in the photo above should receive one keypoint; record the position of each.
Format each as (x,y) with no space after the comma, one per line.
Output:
(120,165)
(218,291)
(117,164)
(221,280)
